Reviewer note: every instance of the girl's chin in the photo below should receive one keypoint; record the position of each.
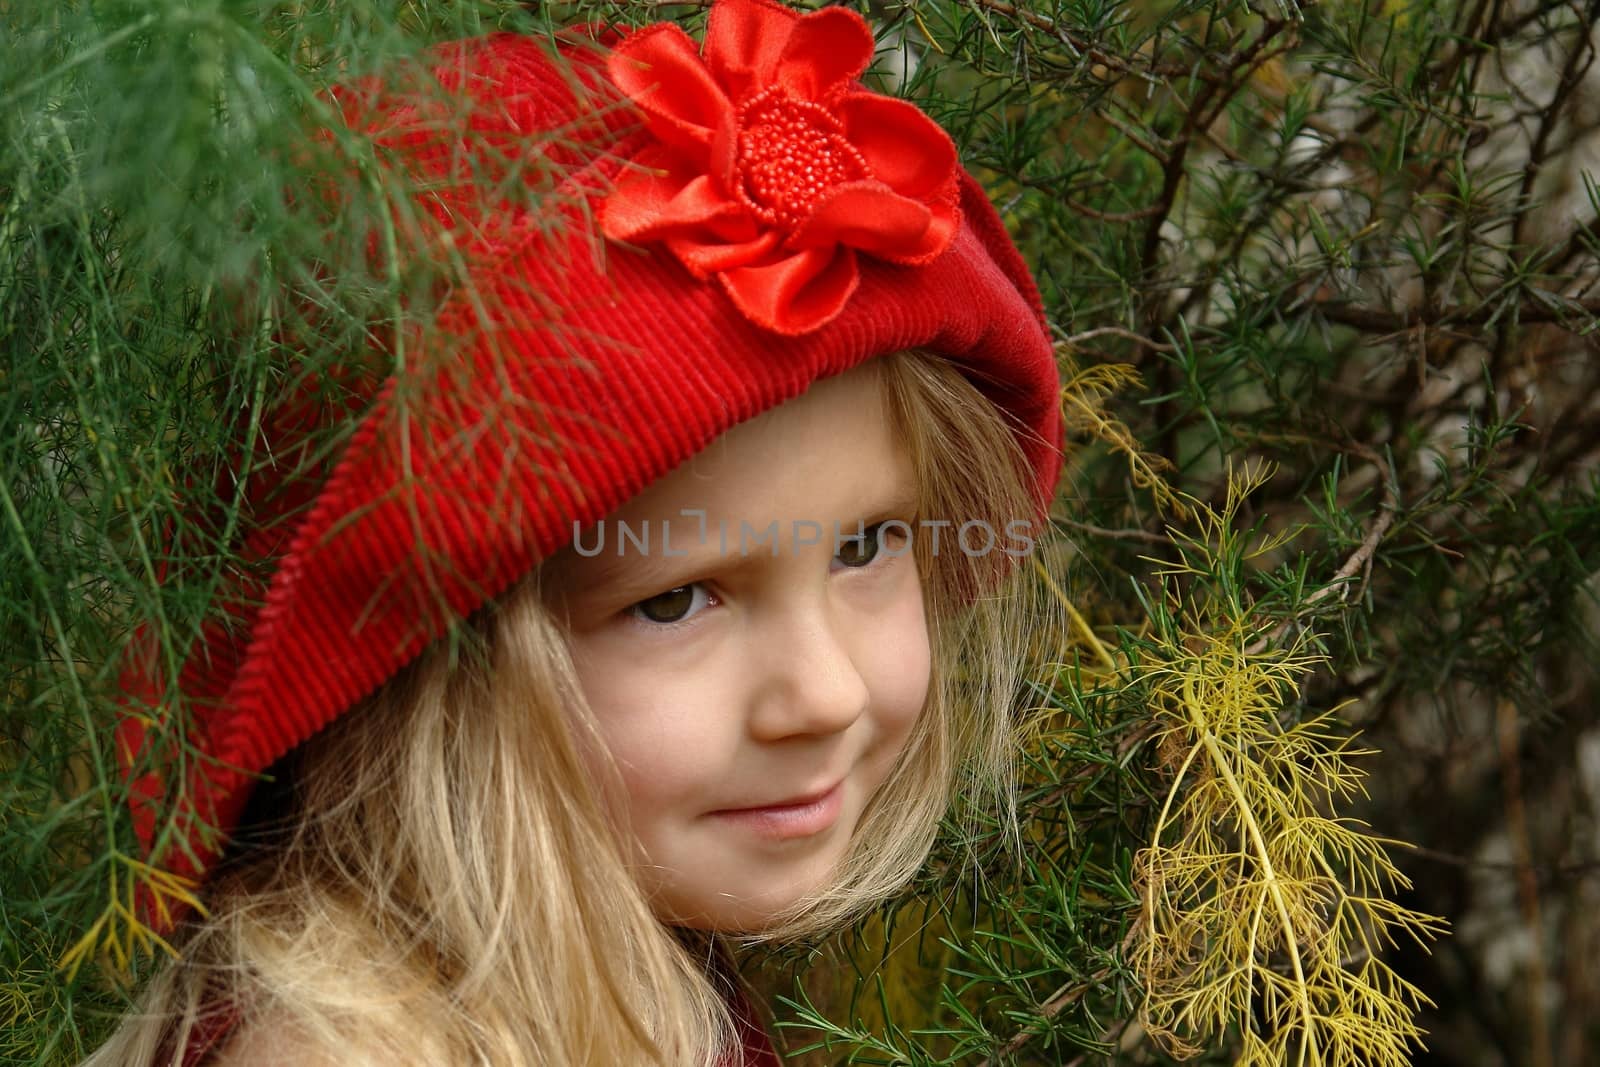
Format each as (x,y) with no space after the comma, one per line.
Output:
(730,899)
(754,920)
(726,917)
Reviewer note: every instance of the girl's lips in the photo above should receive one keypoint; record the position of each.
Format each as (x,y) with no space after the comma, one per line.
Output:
(784,821)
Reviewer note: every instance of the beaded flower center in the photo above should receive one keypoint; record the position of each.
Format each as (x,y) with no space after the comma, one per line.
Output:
(791,152)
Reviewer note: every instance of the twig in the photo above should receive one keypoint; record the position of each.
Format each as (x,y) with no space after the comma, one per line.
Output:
(1065,786)
(1057,1002)
(1050,1009)
(1076,42)
(1138,139)
(1109,216)
(1207,104)
(1358,562)
(1106,1038)
(1118,535)
(1050,189)
(1582,241)
(1118,331)
(1577,64)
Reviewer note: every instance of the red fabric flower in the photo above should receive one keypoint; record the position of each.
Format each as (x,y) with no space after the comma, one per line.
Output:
(771,168)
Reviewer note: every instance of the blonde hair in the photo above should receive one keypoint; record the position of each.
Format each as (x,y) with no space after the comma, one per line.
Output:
(443,884)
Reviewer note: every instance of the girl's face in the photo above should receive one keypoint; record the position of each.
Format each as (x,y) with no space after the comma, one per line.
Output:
(754,700)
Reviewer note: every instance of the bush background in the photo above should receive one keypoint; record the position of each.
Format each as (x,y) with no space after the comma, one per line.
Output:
(1354,242)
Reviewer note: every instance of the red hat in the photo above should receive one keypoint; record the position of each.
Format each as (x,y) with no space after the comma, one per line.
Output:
(769,223)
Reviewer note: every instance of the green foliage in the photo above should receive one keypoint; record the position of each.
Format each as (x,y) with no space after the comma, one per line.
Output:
(1356,240)
(164,279)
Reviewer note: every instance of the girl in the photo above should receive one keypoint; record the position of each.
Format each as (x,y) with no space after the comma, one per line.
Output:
(727,495)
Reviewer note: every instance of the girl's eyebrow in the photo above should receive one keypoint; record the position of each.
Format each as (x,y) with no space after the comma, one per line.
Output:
(640,572)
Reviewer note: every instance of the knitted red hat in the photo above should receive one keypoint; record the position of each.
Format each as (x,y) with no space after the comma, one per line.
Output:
(771,222)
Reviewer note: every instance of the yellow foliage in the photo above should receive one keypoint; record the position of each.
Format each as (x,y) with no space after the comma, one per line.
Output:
(119,934)
(1262,909)
(1083,407)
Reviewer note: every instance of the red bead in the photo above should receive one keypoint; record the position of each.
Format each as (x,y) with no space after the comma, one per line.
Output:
(791,152)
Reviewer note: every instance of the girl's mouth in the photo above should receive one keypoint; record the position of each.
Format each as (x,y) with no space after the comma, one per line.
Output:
(780,822)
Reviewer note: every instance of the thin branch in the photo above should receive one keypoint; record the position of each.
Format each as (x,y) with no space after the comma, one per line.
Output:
(1577,64)
(1116,535)
(1207,104)
(1057,1002)
(1138,139)
(1358,562)
(1110,216)
(1079,44)
(1118,331)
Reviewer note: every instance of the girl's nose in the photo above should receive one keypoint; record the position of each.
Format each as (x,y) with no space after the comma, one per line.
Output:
(808,679)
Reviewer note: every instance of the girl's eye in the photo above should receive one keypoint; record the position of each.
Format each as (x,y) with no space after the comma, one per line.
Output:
(863,550)
(666,609)
(678,605)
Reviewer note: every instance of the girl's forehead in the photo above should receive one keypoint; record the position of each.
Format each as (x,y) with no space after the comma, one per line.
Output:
(832,441)
(829,457)
(852,405)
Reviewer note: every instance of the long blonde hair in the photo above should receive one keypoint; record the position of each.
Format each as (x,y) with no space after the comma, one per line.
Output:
(435,878)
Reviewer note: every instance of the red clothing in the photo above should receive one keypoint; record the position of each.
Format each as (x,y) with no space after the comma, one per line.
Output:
(209,1035)
(754,1044)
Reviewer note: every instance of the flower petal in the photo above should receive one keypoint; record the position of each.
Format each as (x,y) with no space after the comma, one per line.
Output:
(796,294)
(721,189)
(941,231)
(826,52)
(660,69)
(706,254)
(868,216)
(744,41)
(648,207)
(905,148)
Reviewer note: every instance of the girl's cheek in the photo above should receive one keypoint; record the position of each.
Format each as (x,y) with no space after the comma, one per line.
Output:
(904,669)
(653,724)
